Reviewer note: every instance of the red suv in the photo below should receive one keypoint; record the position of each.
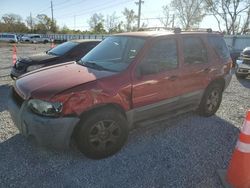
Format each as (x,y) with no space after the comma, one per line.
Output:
(127,78)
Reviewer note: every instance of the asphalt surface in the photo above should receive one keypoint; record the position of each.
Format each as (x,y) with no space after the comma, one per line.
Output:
(185,151)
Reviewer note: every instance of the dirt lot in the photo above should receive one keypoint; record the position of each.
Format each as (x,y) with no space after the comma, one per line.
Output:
(184,151)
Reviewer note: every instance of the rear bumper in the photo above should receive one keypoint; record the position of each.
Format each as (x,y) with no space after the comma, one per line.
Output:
(47,131)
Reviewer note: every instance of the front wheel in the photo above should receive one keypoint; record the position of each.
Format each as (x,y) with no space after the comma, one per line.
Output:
(240,76)
(211,100)
(102,133)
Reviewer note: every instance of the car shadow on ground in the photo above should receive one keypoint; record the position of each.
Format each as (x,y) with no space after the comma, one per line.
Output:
(245,82)
(4,92)
(184,151)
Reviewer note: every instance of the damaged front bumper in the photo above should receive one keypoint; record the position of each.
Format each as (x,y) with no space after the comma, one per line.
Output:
(47,131)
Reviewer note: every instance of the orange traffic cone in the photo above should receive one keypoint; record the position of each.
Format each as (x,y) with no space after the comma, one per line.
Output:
(52,44)
(14,54)
(238,173)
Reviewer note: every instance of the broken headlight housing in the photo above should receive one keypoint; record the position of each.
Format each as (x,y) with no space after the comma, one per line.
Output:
(45,108)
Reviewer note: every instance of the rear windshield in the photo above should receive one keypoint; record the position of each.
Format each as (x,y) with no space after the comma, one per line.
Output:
(62,48)
(219,46)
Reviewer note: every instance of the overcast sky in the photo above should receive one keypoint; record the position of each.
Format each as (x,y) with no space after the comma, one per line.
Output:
(76,13)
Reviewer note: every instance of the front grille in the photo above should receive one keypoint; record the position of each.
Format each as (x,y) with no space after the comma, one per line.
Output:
(19,100)
(20,66)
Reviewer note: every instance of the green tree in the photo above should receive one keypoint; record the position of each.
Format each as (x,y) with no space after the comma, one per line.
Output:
(189,12)
(131,18)
(45,25)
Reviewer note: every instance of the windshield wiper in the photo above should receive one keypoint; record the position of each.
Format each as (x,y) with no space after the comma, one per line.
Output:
(51,53)
(94,65)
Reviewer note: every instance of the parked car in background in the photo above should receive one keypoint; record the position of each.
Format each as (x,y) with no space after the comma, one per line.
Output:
(36,39)
(127,78)
(235,54)
(68,51)
(242,68)
(7,37)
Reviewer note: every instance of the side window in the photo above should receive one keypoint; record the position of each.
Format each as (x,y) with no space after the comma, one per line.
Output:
(161,57)
(219,46)
(194,50)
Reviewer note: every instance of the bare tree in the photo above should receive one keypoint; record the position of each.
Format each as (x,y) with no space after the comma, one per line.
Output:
(228,13)
(31,22)
(95,21)
(167,19)
(130,19)
(246,24)
(111,23)
(12,23)
(189,12)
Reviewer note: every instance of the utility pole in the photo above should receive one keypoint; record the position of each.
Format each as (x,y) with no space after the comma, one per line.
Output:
(31,22)
(52,15)
(139,12)
(74,22)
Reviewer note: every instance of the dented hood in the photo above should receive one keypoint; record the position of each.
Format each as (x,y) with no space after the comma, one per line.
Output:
(47,82)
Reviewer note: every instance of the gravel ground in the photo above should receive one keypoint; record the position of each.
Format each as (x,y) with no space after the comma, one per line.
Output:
(184,151)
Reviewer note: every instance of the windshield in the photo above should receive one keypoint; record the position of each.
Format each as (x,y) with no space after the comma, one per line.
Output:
(62,48)
(114,53)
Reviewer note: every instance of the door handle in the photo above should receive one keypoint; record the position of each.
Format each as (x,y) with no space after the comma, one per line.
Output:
(206,70)
(173,78)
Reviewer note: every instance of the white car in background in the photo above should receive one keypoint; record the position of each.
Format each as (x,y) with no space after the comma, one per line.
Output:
(35,39)
(242,67)
(7,37)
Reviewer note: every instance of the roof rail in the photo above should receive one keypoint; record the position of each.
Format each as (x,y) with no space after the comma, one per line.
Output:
(175,29)
(209,30)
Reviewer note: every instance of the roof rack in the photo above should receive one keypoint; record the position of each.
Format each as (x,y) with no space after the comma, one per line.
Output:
(175,29)
(209,30)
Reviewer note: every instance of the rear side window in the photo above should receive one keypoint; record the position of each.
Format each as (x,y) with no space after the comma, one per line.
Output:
(163,55)
(219,46)
(194,50)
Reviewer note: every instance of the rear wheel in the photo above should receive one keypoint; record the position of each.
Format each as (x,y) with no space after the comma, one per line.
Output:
(211,100)
(102,134)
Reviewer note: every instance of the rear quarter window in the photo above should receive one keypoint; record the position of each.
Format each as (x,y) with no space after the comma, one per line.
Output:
(219,45)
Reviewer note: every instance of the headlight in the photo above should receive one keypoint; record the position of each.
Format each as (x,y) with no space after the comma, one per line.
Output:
(45,108)
(34,67)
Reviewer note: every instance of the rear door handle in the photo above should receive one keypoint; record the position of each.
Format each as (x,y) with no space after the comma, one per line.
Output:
(173,78)
(206,70)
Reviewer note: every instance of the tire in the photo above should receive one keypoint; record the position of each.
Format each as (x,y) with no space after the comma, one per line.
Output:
(240,76)
(102,133)
(13,77)
(45,42)
(211,100)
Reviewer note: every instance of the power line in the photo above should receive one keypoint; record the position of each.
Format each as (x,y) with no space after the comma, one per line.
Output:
(94,9)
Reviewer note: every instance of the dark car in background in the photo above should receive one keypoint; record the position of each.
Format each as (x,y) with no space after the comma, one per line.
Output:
(242,67)
(234,53)
(67,51)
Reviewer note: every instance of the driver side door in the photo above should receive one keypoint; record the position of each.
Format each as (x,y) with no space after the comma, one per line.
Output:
(155,88)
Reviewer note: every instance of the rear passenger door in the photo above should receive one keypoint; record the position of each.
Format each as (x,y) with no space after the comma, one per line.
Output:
(155,88)
(195,69)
